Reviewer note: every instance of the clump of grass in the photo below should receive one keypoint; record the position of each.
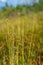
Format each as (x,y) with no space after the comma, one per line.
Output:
(19,39)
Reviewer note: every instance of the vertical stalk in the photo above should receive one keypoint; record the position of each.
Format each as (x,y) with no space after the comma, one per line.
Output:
(33,28)
(39,54)
(12,46)
(4,62)
(22,42)
(17,55)
(18,40)
(8,39)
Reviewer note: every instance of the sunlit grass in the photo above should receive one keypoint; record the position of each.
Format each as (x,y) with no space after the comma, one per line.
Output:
(19,39)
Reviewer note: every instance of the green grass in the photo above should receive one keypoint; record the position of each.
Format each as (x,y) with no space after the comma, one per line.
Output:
(19,39)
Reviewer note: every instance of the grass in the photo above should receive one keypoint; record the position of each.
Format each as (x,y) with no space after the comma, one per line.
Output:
(20,37)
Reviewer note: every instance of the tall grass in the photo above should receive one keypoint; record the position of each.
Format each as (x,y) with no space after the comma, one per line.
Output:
(20,37)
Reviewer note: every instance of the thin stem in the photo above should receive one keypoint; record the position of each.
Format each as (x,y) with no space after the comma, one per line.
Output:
(4,62)
(33,28)
(22,42)
(12,46)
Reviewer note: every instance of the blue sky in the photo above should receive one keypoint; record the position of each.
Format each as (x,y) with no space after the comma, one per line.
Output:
(14,2)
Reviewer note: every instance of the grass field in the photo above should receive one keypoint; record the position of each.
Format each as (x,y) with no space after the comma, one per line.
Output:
(20,38)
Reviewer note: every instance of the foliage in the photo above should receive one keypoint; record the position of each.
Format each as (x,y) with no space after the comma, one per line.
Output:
(10,11)
(20,43)
(21,34)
